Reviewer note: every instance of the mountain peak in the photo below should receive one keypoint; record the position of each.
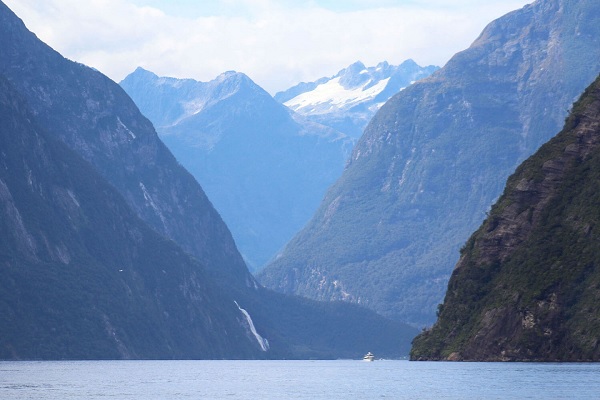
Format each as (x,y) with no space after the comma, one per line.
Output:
(234,78)
(355,67)
(230,75)
(141,73)
(348,100)
(409,63)
(141,70)
(354,75)
(231,83)
(385,65)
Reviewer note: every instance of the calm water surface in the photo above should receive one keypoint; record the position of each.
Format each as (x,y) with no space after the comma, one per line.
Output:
(345,379)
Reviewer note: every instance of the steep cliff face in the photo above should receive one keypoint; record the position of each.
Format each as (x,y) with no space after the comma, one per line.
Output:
(527,285)
(435,157)
(82,276)
(96,118)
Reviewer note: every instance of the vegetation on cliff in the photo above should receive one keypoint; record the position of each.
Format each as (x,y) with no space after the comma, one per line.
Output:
(527,286)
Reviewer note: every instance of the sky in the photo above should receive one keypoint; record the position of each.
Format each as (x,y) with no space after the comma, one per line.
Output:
(277,43)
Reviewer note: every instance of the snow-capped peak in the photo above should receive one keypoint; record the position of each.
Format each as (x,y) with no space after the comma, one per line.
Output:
(349,99)
(353,86)
(333,95)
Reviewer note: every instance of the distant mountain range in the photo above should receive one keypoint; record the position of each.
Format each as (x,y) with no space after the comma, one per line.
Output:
(434,159)
(264,167)
(110,249)
(348,100)
(526,287)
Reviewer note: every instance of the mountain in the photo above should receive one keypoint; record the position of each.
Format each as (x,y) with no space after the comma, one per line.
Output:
(435,157)
(94,117)
(148,216)
(264,168)
(82,276)
(526,285)
(348,100)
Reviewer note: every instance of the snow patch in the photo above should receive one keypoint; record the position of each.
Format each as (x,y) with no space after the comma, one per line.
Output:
(332,94)
(192,107)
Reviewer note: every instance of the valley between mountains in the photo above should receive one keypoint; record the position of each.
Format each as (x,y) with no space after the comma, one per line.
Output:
(168,218)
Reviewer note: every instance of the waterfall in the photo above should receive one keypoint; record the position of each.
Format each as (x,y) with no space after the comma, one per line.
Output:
(264,343)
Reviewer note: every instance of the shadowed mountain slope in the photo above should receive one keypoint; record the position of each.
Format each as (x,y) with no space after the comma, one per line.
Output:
(95,117)
(82,276)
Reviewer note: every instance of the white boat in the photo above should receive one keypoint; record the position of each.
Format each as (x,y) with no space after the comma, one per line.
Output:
(369,357)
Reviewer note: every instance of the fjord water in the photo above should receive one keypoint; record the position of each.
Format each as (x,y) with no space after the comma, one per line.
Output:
(341,379)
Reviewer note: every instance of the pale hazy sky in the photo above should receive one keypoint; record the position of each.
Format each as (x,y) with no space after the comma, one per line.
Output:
(278,43)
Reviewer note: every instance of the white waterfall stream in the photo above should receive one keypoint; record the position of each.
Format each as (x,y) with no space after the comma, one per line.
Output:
(264,343)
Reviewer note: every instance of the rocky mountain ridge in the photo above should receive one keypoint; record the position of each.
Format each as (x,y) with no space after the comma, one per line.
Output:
(434,158)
